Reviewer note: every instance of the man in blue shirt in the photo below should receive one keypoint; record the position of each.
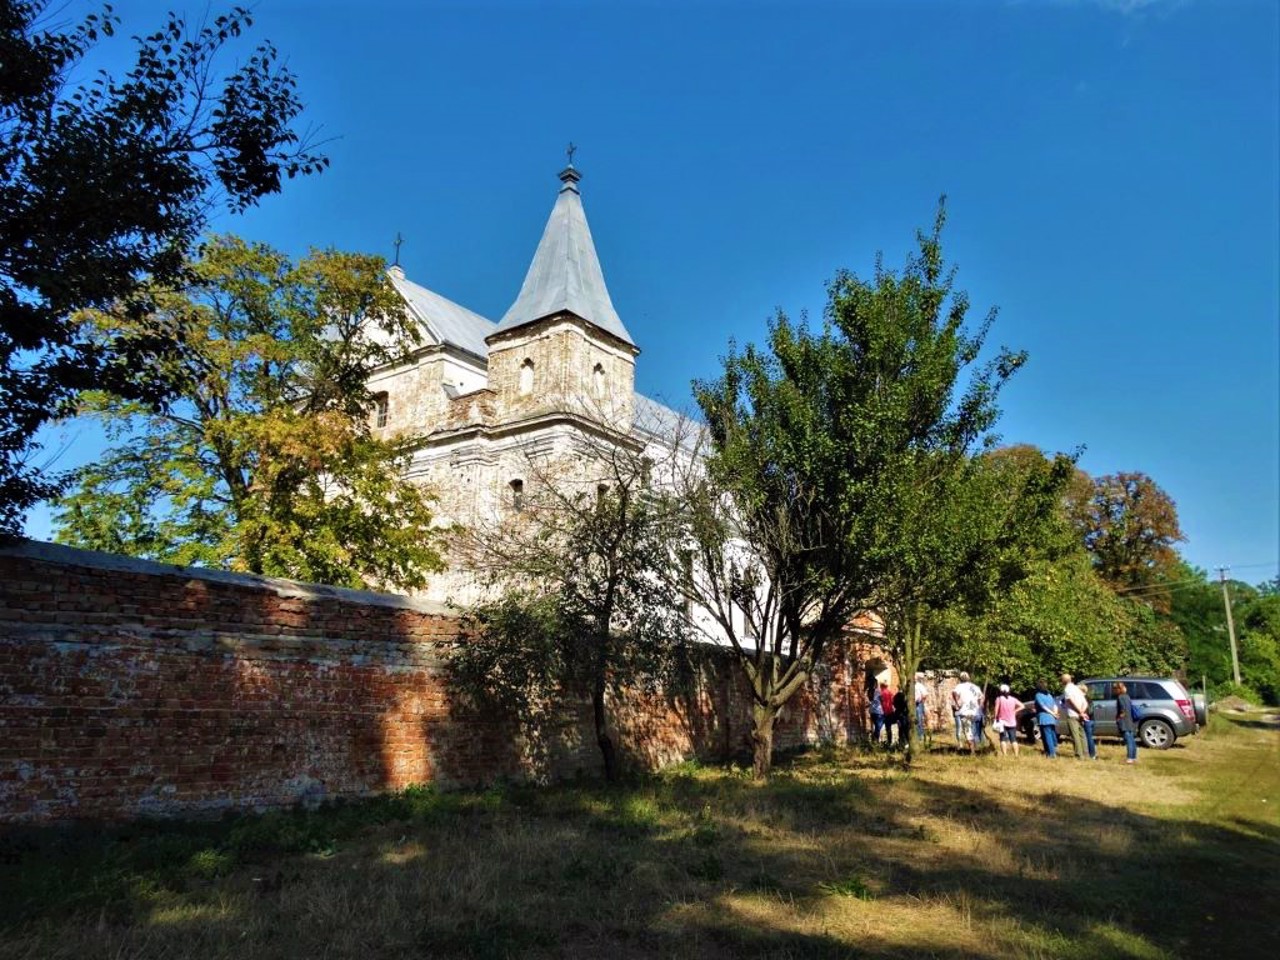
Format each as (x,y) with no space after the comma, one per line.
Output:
(1047,717)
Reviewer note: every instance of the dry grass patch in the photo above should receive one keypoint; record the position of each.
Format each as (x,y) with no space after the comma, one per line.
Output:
(841,854)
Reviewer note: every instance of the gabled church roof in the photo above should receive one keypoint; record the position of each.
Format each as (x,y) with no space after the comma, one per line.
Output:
(565,274)
(445,321)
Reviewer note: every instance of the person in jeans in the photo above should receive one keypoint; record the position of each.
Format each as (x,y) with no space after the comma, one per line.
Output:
(1125,722)
(877,713)
(1047,718)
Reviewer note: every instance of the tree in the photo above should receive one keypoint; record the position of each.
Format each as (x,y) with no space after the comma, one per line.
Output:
(577,560)
(1058,617)
(1260,644)
(1195,606)
(265,462)
(843,461)
(104,187)
(1130,525)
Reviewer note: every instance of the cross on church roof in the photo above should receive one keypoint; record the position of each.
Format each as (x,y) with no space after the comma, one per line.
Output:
(396,243)
(571,150)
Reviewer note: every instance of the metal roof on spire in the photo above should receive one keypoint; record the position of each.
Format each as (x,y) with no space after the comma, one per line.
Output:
(565,274)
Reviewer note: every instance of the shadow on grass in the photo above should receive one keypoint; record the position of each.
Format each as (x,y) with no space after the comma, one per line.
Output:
(693,863)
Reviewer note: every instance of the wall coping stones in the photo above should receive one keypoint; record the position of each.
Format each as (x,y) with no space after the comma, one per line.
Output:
(55,553)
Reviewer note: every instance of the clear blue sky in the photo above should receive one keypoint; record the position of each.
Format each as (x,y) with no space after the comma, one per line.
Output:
(1113,170)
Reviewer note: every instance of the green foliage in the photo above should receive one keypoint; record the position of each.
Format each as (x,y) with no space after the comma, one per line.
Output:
(265,462)
(106,184)
(848,455)
(1152,644)
(1196,607)
(854,886)
(1227,689)
(1259,617)
(1059,618)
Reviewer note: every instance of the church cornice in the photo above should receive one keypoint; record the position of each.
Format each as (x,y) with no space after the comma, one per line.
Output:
(526,425)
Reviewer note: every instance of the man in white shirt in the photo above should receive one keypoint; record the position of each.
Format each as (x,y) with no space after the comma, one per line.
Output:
(968,700)
(1076,705)
(922,697)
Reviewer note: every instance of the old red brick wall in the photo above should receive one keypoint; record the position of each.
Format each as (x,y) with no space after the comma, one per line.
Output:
(131,689)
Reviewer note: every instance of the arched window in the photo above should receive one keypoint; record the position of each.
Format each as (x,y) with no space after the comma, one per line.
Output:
(526,378)
(380,409)
(517,495)
(597,381)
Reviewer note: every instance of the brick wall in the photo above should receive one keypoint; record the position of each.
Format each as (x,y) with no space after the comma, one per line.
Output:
(130,689)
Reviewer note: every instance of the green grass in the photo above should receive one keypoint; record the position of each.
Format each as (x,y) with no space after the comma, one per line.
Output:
(842,853)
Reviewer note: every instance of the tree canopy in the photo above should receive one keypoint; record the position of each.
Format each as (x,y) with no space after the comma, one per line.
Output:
(265,462)
(846,459)
(104,188)
(1130,526)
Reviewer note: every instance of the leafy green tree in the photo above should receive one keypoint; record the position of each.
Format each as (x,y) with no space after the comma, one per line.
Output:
(1152,643)
(106,185)
(1259,620)
(265,463)
(1195,606)
(576,564)
(844,461)
(984,532)
(1060,617)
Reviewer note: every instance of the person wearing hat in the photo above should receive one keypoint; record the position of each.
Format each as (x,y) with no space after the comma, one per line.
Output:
(1006,721)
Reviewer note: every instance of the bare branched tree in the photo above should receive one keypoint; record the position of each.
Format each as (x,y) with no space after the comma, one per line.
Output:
(575,568)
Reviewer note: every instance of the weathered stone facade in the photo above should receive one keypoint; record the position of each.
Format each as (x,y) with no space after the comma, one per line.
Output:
(490,404)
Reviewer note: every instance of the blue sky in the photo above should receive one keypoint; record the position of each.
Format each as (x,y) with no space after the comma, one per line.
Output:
(1112,168)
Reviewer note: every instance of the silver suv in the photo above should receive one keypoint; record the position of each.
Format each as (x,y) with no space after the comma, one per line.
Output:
(1165,710)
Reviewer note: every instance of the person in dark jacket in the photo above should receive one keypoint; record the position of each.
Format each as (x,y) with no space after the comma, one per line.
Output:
(1125,721)
(903,715)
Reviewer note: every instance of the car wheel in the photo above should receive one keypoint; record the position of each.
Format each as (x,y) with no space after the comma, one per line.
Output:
(1157,734)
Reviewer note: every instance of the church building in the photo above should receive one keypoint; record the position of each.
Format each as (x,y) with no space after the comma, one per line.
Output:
(485,397)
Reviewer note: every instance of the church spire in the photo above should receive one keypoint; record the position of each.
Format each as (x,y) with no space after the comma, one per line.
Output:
(565,275)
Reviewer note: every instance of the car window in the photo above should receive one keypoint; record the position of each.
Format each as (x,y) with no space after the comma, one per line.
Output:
(1096,691)
(1146,690)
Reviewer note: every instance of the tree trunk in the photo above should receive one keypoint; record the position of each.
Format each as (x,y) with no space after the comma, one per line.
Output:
(910,663)
(607,751)
(763,718)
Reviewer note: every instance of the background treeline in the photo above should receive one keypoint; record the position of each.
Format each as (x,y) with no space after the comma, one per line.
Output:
(1107,592)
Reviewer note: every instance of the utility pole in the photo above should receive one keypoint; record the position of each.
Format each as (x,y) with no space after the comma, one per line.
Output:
(1231,625)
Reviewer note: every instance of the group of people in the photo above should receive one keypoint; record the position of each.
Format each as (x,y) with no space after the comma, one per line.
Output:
(971,712)
(1073,706)
(889,712)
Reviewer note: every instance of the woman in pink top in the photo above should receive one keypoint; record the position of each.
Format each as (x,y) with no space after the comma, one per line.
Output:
(1006,719)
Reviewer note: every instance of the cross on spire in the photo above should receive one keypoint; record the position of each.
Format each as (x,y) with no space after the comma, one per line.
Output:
(571,150)
(396,243)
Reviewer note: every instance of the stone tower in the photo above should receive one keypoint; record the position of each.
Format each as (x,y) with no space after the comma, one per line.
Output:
(561,347)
